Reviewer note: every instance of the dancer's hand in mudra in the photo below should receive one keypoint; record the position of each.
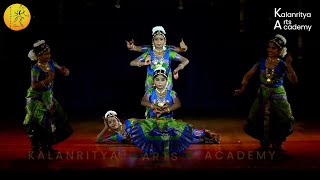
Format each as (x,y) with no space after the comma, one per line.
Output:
(183,46)
(158,112)
(147,61)
(130,44)
(238,92)
(175,74)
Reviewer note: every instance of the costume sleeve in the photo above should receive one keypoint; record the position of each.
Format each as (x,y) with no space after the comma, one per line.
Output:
(148,92)
(34,75)
(174,56)
(257,64)
(171,47)
(173,94)
(145,48)
(142,57)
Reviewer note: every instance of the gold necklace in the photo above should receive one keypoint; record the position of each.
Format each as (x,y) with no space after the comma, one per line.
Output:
(159,54)
(158,51)
(162,93)
(44,66)
(270,66)
(272,63)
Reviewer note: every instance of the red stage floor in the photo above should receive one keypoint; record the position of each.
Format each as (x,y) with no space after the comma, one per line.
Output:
(236,155)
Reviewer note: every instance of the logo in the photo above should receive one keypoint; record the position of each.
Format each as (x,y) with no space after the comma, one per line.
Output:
(288,21)
(17,17)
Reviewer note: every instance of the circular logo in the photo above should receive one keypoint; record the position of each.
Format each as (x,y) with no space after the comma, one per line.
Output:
(17,17)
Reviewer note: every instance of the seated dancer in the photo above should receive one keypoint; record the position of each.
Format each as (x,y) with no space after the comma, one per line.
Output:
(159,132)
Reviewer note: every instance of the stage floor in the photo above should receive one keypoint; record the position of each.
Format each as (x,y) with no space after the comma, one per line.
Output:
(236,154)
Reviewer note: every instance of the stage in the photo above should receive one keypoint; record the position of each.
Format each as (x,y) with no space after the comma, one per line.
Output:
(236,155)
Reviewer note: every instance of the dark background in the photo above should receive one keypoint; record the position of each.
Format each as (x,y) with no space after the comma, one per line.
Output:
(88,36)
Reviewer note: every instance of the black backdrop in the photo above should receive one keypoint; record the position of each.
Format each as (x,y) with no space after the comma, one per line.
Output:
(88,36)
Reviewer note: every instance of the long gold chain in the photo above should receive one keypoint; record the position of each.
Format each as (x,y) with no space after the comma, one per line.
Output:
(270,66)
(269,74)
(161,97)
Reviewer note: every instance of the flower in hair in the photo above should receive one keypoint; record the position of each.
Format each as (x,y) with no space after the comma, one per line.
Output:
(283,39)
(160,68)
(32,55)
(283,52)
(38,43)
(158,28)
(110,113)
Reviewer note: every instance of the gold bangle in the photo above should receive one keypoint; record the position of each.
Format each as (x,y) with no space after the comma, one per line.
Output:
(244,83)
(168,109)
